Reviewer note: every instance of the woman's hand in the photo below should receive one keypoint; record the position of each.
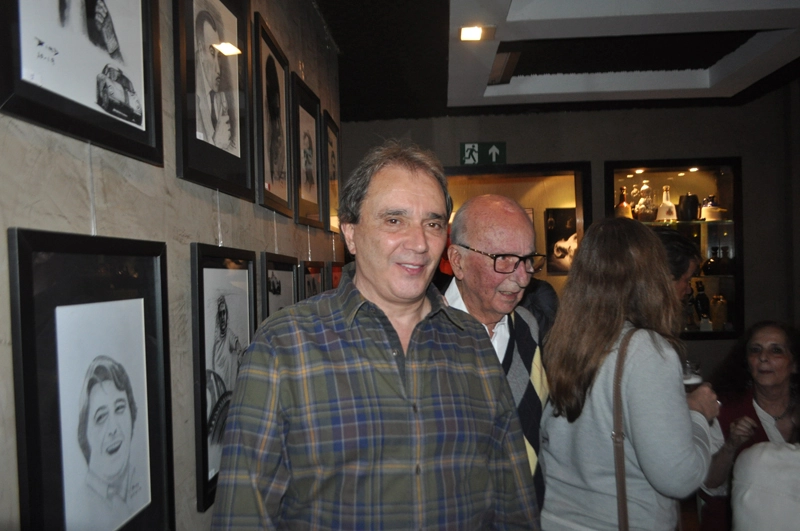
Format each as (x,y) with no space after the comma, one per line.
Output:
(742,430)
(704,400)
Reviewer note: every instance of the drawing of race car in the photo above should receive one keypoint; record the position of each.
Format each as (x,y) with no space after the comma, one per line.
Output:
(116,95)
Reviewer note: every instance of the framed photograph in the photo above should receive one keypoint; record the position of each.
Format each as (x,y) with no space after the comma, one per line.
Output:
(278,282)
(312,279)
(223,323)
(271,79)
(91,381)
(307,159)
(333,274)
(90,69)
(332,170)
(213,95)
(561,239)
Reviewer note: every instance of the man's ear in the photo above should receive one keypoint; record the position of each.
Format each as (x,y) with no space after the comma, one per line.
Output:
(454,256)
(347,231)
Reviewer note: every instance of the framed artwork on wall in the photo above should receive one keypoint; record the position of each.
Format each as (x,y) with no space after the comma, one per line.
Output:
(213,95)
(278,282)
(223,323)
(307,160)
(333,274)
(312,279)
(89,69)
(332,170)
(91,381)
(273,163)
(561,238)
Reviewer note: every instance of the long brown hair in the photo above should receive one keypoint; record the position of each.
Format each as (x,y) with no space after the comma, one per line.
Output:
(620,273)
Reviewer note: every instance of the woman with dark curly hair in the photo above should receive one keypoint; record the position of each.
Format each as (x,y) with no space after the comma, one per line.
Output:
(758,384)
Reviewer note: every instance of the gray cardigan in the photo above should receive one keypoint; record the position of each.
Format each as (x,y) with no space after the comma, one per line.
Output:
(667,451)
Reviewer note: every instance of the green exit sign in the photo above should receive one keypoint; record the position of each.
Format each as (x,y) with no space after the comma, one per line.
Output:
(483,153)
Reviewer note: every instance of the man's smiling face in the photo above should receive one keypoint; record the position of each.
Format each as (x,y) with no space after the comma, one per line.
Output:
(109,430)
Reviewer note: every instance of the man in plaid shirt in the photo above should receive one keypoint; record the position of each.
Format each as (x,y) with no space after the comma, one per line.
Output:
(376,406)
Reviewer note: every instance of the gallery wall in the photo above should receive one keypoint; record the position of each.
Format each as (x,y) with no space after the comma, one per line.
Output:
(56,183)
(763,133)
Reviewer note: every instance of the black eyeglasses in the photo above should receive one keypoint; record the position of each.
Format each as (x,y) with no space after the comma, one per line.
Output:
(507,263)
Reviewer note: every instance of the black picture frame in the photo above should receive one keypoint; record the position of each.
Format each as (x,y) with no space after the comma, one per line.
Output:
(221,276)
(271,80)
(306,157)
(333,274)
(48,58)
(213,140)
(93,301)
(561,239)
(332,170)
(276,271)
(311,279)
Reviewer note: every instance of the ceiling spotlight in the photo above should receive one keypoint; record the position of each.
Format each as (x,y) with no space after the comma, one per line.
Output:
(478,33)
(693,169)
(640,171)
(629,176)
(226,48)
(681,174)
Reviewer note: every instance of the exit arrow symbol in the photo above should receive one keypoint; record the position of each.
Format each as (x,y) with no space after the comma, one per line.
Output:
(493,151)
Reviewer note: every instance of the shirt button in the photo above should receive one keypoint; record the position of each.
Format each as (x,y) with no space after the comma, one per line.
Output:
(419,470)
(414,407)
(394,353)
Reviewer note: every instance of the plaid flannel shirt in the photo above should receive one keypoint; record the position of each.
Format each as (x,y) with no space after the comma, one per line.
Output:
(324,433)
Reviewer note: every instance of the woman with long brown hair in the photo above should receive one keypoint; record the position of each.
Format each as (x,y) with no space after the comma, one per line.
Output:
(619,282)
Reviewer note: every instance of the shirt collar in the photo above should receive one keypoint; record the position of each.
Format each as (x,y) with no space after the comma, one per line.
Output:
(106,490)
(453,297)
(352,301)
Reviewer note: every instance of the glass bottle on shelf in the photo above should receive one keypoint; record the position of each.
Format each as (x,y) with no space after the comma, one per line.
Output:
(623,209)
(725,265)
(701,302)
(644,208)
(711,266)
(719,312)
(666,212)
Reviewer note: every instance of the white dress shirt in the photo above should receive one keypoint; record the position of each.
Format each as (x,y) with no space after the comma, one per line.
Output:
(501,333)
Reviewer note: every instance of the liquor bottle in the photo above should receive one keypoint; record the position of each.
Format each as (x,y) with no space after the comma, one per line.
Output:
(623,209)
(719,312)
(666,212)
(711,266)
(701,302)
(644,208)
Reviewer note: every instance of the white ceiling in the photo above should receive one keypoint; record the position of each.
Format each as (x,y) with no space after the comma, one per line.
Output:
(776,44)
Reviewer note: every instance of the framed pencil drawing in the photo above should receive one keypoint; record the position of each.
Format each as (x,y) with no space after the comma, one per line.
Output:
(90,69)
(223,322)
(271,79)
(332,170)
(91,381)
(333,274)
(278,282)
(306,158)
(213,95)
(312,279)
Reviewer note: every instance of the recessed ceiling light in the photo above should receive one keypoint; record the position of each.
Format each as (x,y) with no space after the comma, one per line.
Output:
(693,169)
(640,171)
(478,33)
(630,175)
(226,48)
(681,174)
(472,33)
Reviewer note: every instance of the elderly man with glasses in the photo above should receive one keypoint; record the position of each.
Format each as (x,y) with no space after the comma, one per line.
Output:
(493,259)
